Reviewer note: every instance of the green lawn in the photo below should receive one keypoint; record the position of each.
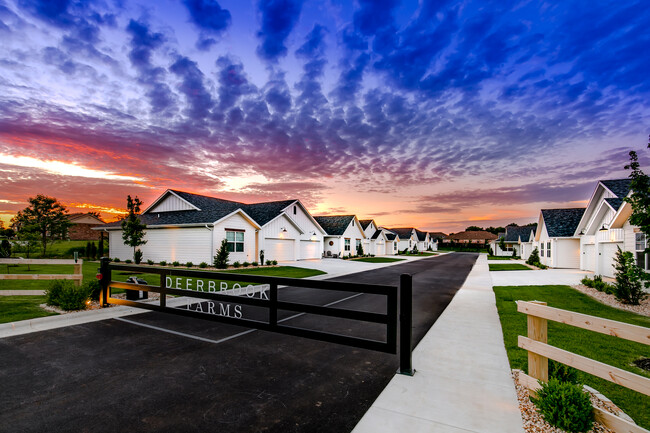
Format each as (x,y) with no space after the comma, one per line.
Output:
(499,258)
(15,308)
(508,267)
(604,348)
(279,271)
(377,260)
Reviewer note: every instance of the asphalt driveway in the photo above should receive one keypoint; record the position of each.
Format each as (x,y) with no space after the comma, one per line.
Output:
(126,374)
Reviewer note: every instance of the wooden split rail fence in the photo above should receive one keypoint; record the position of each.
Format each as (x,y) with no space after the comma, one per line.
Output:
(539,352)
(76,276)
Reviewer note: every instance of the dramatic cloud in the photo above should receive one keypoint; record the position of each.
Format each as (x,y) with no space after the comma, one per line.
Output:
(210,18)
(278,18)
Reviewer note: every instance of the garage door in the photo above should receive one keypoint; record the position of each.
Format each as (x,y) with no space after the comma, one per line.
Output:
(279,249)
(310,250)
(589,258)
(381,249)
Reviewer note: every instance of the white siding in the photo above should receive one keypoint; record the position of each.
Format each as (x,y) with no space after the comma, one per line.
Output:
(237,222)
(629,241)
(567,253)
(171,203)
(311,230)
(354,233)
(117,249)
(192,244)
(335,248)
(274,230)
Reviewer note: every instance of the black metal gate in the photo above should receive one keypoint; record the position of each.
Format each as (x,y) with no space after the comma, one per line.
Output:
(270,301)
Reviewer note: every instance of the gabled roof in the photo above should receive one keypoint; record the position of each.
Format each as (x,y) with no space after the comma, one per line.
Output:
(376,234)
(614,203)
(471,235)
(620,187)
(365,223)
(561,223)
(334,225)
(391,236)
(403,232)
(72,217)
(513,234)
(434,235)
(265,212)
(422,236)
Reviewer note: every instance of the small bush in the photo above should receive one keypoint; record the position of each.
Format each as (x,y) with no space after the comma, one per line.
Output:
(245,264)
(93,288)
(163,263)
(203,265)
(189,264)
(64,294)
(254,264)
(150,262)
(565,405)
(490,252)
(586,281)
(562,372)
(176,263)
(116,260)
(128,261)
(274,262)
(137,257)
(630,279)
(221,259)
(236,265)
(533,259)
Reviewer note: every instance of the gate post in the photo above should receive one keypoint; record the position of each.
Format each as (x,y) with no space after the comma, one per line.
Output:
(105,280)
(405,324)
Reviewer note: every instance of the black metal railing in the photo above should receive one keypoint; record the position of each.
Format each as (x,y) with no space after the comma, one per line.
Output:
(390,318)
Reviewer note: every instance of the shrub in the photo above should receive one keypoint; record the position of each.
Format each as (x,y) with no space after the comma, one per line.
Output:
(221,259)
(203,265)
(189,264)
(116,260)
(534,257)
(490,252)
(236,264)
(254,264)
(150,262)
(137,256)
(163,263)
(93,250)
(565,405)
(176,263)
(64,294)
(562,372)
(128,261)
(245,264)
(359,250)
(586,281)
(5,249)
(514,252)
(93,288)
(275,262)
(630,279)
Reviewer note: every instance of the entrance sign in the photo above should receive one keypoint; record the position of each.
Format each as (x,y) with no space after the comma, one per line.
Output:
(240,299)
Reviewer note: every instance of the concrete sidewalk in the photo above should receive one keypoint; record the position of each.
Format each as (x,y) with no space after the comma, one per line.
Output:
(462,381)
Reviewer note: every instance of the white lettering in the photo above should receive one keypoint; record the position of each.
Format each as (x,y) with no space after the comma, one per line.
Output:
(178,283)
(211,287)
(250,291)
(224,311)
(211,307)
(199,307)
(264,294)
(223,286)
(168,281)
(188,284)
(199,285)
(236,289)
(238,313)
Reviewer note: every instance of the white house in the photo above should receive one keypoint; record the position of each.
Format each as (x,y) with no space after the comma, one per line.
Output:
(422,240)
(527,244)
(344,234)
(559,246)
(407,238)
(186,227)
(514,239)
(604,227)
(369,228)
(392,242)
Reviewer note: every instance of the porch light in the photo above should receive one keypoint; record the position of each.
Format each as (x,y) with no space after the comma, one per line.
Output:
(283,229)
(603,229)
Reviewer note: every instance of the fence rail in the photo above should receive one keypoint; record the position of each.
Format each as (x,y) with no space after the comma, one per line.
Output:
(539,352)
(76,276)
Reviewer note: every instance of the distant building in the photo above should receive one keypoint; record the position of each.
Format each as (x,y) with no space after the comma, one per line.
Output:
(471,237)
(82,224)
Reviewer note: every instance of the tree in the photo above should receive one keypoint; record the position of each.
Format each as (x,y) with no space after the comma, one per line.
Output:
(639,198)
(132,228)
(630,279)
(45,216)
(5,249)
(359,249)
(502,243)
(221,259)
(474,229)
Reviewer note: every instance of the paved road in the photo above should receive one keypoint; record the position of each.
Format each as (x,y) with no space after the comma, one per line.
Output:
(119,375)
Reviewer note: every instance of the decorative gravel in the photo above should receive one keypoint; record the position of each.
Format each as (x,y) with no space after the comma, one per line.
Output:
(643,308)
(534,421)
(94,305)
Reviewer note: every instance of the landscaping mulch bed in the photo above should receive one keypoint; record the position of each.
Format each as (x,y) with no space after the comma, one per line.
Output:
(94,305)
(643,308)
(534,421)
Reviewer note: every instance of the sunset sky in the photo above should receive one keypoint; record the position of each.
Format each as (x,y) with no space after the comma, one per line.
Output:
(437,114)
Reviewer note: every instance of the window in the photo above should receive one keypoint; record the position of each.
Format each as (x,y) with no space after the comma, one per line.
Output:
(548,249)
(235,241)
(640,245)
(347,245)
(295,209)
(541,249)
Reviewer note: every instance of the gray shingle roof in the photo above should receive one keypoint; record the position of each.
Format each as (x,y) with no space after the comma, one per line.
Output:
(422,236)
(365,223)
(390,236)
(403,232)
(376,234)
(615,203)
(334,225)
(562,222)
(620,187)
(514,233)
(212,209)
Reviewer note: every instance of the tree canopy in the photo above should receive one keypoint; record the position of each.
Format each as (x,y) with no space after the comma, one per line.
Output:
(132,228)
(640,194)
(44,216)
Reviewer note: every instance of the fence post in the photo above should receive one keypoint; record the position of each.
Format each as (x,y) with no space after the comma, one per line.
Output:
(405,324)
(105,272)
(78,272)
(163,285)
(538,330)
(273,305)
